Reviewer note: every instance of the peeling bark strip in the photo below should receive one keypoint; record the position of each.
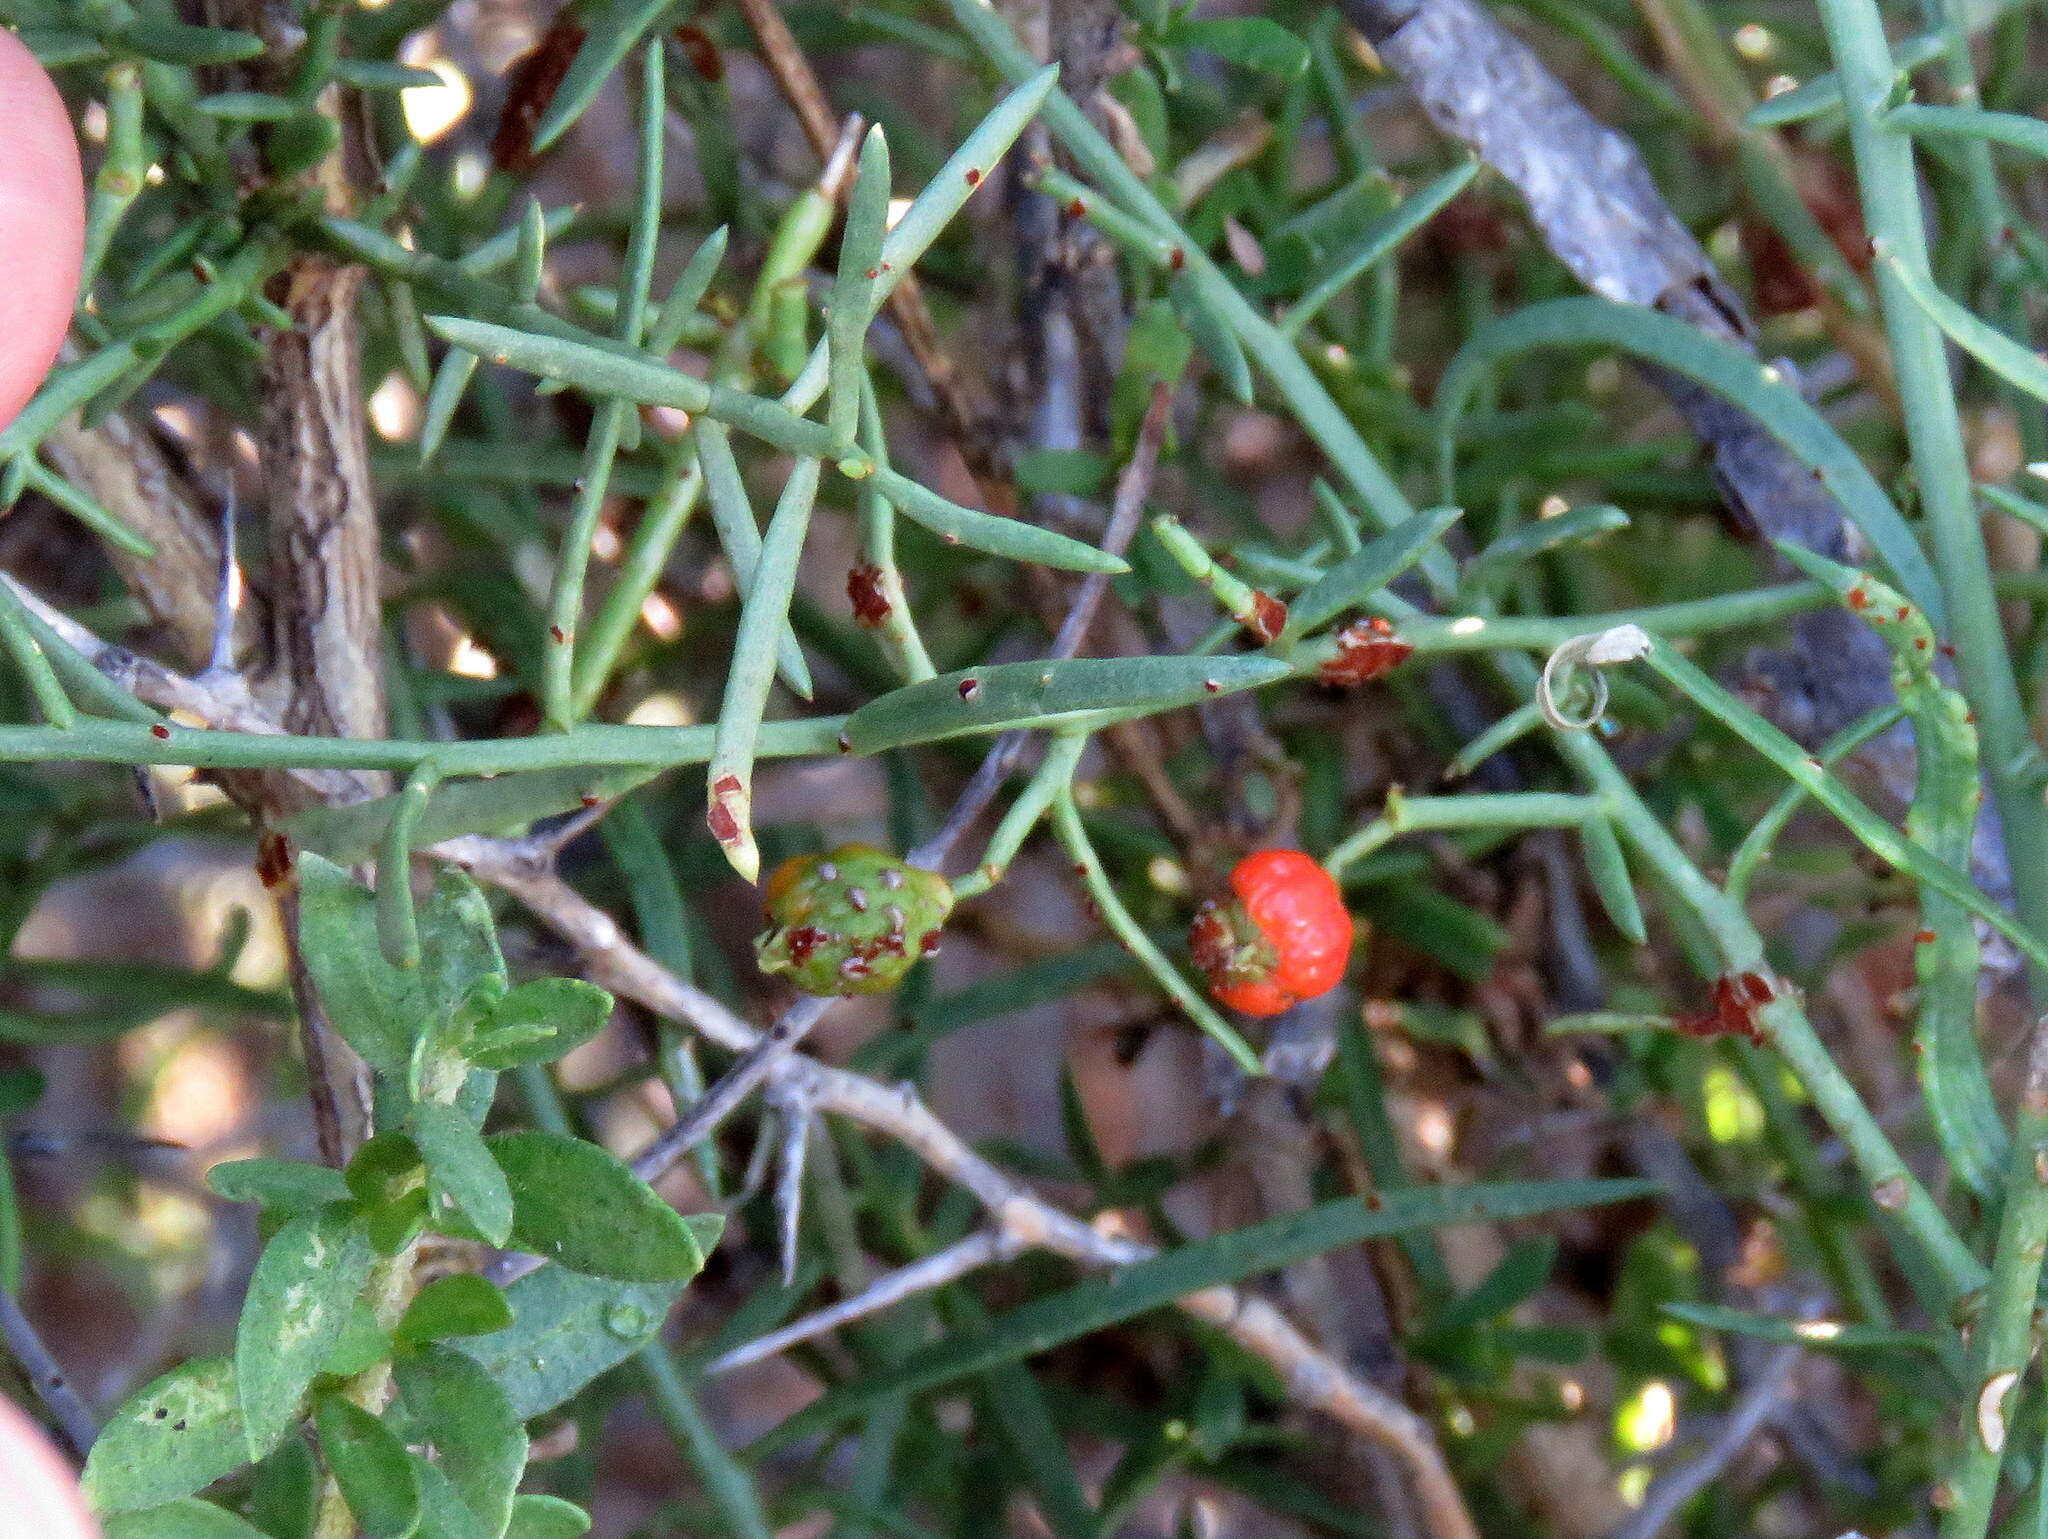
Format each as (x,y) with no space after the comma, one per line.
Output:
(323,519)
(1592,199)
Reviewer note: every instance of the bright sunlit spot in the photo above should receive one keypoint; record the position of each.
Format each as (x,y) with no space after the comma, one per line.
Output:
(470,661)
(431,110)
(1647,1420)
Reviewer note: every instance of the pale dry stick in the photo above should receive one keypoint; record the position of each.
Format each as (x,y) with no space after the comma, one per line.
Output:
(1127,511)
(1313,1379)
(1756,1407)
(933,1271)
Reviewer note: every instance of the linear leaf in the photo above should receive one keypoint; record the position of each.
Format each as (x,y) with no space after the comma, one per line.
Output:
(502,804)
(1726,370)
(1048,694)
(1099,1302)
(1367,570)
(732,519)
(763,618)
(1822,1335)
(1607,868)
(609,38)
(2010,361)
(2012,129)
(860,258)
(1010,537)
(1375,241)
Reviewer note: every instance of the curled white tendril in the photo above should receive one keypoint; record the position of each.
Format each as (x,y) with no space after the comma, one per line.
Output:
(1584,657)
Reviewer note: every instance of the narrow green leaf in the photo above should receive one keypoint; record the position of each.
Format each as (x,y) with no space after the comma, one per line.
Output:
(947,192)
(1360,575)
(566,1330)
(2015,130)
(546,1517)
(763,617)
(1375,242)
(281,1186)
(187,1518)
(1212,334)
(860,262)
(2009,360)
(1057,1318)
(1521,1272)
(371,1466)
(461,1304)
(732,518)
(463,1179)
(538,1022)
(451,382)
(1819,97)
(1010,537)
(1607,869)
(687,294)
(248,107)
(1495,564)
(173,42)
(1720,367)
(297,1304)
(57,47)
(377,1008)
(1049,694)
(579,1205)
(471,1424)
(398,933)
(608,38)
(1821,1335)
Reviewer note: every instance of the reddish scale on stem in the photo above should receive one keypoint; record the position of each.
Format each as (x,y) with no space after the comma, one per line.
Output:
(1366,649)
(1268,617)
(1732,1013)
(1284,936)
(864,591)
(702,53)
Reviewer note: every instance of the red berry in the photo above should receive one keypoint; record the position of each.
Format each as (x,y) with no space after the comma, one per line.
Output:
(1285,936)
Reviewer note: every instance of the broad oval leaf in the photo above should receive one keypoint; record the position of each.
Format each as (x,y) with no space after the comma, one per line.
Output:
(284,1491)
(539,1022)
(371,1466)
(579,1205)
(546,1517)
(187,1518)
(1256,42)
(378,1009)
(471,1424)
(1011,537)
(566,1330)
(1720,367)
(443,1512)
(462,1304)
(281,1186)
(175,1435)
(464,1182)
(1048,694)
(297,1306)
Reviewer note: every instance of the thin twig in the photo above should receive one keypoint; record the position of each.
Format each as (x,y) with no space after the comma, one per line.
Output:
(75,1422)
(1756,1406)
(934,1271)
